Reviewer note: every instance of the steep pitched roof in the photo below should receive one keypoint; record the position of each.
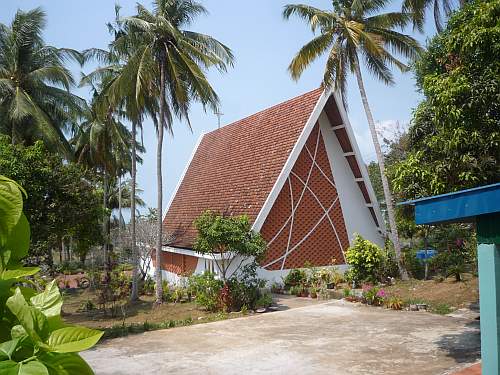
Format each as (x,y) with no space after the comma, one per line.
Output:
(234,168)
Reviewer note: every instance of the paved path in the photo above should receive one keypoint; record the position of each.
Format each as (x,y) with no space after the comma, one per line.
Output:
(332,338)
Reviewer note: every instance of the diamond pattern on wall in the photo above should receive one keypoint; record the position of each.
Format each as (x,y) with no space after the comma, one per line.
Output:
(306,223)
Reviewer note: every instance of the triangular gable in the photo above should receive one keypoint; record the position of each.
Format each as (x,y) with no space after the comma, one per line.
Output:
(233,169)
(306,223)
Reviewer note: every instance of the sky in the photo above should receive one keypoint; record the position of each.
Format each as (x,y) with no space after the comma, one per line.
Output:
(263,44)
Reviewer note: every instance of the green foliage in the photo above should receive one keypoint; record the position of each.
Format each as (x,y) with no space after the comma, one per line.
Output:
(227,237)
(34,340)
(441,308)
(35,101)
(394,303)
(55,192)
(295,277)
(265,300)
(364,259)
(454,139)
(344,44)
(373,295)
(245,288)
(206,288)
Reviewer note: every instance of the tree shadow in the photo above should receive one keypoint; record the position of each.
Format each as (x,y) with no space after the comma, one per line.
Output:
(464,346)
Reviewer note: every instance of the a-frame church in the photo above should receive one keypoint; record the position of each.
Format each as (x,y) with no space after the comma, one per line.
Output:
(295,169)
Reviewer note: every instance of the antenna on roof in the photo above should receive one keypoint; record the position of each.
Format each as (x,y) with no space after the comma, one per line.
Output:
(219,114)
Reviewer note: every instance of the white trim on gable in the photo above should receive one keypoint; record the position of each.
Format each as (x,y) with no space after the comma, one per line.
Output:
(301,141)
(174,193)
(359,160)
(292,158)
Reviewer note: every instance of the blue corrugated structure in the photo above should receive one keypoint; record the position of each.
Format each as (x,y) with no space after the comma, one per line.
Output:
(461,206)
(480,205)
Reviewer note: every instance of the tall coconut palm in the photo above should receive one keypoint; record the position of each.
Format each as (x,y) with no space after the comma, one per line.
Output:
(102,142)
(418,9)
(35,101)
(354,30)
(171,61)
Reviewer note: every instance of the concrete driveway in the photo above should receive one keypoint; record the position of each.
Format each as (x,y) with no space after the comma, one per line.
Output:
(332,338)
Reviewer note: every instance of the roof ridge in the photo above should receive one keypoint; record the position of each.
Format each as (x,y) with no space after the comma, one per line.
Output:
(264,110)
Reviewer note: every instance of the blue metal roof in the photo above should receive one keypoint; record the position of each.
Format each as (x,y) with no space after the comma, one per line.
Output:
(461,206)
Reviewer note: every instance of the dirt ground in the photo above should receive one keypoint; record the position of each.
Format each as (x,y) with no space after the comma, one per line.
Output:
(449,292)
(139,312)
(335,337)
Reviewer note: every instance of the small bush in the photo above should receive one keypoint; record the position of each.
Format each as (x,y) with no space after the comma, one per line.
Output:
(394,303)
(365,259)
(373,295)
(441,308)
(295,277)
(265,300)
(206,289)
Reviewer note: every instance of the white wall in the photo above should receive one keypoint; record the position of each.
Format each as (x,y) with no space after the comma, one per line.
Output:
(357,217)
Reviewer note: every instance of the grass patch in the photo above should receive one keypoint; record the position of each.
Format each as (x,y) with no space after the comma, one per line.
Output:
(138,317)
(441,309)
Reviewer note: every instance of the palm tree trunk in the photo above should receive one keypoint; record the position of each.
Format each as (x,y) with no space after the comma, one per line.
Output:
(120,209)
(107,267)
(385,183)
(159,243)
(134,295)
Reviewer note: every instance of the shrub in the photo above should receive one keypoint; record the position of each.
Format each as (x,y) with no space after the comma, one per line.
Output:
(265,300)
(413,265)
(394,303)
(148,286)
(295,277)
(453,262)
(206,289)
(365,259)
(245,287)
(373,295)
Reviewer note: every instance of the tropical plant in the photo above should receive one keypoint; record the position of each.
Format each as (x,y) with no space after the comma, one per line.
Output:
(103,143)
(170,61)
(35,101)
(229,240)
(454,138)
(33,337)
(354,29)
(364,259)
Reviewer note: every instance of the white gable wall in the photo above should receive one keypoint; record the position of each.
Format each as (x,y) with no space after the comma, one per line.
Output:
(357,217)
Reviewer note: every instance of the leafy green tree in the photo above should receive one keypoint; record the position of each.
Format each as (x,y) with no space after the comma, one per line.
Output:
(229,240)
(352,30)
(171,62)
(33,337)
(62,200)
(454,138)
(35,101)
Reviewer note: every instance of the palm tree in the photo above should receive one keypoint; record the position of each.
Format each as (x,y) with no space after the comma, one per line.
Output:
(170,61)
(102,142)
(354,29)
(418,8)
(35,101)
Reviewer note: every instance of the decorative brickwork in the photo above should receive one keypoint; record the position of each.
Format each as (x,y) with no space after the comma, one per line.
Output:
(306,222)
(179,264)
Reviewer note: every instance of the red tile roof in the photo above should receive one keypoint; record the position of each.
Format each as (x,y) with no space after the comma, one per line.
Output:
(235,167)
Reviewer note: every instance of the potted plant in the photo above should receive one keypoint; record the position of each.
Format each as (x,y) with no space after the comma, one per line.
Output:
(313,292)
